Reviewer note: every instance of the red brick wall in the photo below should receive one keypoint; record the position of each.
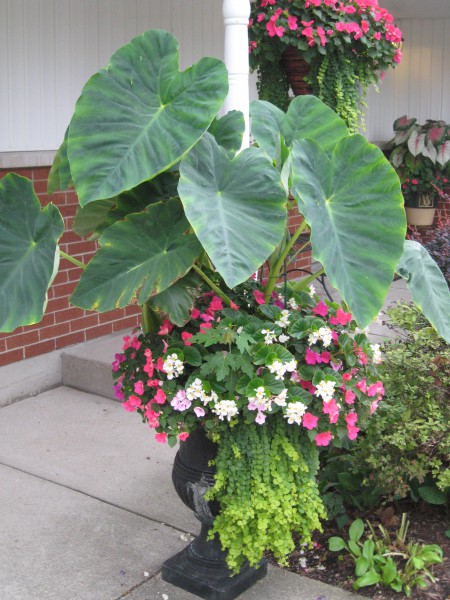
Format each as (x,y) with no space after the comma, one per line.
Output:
(63,324)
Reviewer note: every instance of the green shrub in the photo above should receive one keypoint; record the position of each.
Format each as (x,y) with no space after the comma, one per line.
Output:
(406,448)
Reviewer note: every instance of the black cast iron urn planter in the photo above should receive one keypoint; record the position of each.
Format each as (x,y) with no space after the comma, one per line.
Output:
(201,567)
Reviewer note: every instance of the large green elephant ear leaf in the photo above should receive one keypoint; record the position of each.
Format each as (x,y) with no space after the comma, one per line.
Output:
(427,285)
(228,131)
(354,206)
(306,117)
(238,222)
(140,115)
(177,301)
(101,214)
(60,177)
(147,252)
(29,252)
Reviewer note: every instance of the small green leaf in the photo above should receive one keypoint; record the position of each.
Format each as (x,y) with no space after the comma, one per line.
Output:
(354,548)
(370,578)
(192,356)
(389,571)
(356,530)
(362,566)
(336,543)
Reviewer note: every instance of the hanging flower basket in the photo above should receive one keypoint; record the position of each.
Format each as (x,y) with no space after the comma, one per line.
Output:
(296,69)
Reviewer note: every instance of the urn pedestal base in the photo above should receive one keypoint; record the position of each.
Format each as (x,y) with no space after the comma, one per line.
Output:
(201,568)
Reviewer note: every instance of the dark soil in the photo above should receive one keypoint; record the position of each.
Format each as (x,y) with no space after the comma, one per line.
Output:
(427,525)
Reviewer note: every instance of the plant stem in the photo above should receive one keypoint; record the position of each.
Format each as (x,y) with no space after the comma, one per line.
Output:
(300,285)
(275,269)
(72,259)
(212,285)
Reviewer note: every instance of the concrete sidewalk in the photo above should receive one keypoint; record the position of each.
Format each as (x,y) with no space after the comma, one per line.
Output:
(87,506)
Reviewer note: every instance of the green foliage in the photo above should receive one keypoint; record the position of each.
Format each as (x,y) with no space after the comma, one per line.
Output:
(408,440)
(390,562)
(267,490)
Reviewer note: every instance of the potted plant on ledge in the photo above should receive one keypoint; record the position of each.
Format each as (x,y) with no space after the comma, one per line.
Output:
(343,47)
(238,374)
(421,157)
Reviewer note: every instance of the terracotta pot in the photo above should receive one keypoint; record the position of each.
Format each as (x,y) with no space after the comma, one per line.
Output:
(201,567)
(296,69)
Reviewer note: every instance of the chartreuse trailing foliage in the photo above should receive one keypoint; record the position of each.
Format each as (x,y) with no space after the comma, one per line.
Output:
(163,187)
(266,482)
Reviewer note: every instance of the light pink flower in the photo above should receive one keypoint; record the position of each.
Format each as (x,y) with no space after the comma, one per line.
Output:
(260,417)
(199,411)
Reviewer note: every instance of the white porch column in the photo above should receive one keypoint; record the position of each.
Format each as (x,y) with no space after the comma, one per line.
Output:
(236,14)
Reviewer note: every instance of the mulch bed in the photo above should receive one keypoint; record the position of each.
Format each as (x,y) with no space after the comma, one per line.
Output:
(427,525)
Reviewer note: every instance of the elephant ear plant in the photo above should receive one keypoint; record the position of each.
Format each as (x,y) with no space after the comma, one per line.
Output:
(182,215)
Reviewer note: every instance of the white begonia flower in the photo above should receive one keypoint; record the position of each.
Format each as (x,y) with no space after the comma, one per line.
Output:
(292,303)
(283,321)
(325,389)
(313,338)
(294,412)
(270,336)
(172,366)
(326,336)
(283,338)
(225,409)
(312,290)
(291,365)
(281,398)
(278,369)
(377,356)
(195,390)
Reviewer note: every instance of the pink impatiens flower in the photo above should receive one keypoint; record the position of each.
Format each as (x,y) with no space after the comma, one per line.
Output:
(160,397)
(349,397)
(183,436)
(362,385)
(161,437)
(309,421)
(216,304)
(332,410)
(259,297)
(311,357)
(341,318)
(139,388)
(292,23)
(185,336)
(323,439)
(375,389)
(132,404)
(321,309)
(165,328)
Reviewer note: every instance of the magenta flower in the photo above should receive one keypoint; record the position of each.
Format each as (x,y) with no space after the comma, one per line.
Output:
(321,309)
(341,318)
(311,357)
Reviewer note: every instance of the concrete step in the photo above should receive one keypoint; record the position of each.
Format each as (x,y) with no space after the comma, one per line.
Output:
(87,367)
